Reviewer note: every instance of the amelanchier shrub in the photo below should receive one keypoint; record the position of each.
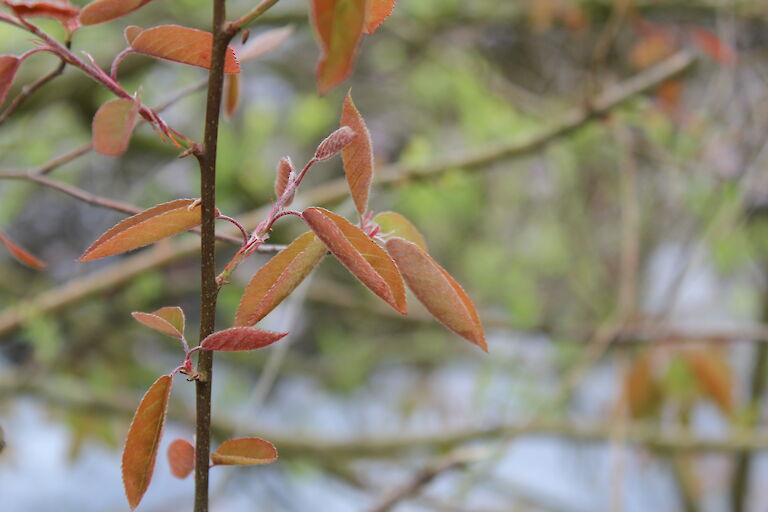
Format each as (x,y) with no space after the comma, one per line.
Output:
(384,251)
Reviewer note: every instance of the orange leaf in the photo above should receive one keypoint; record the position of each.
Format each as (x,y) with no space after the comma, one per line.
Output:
(182,44)
(60,10)
(284,170)
(140,450)
(377,12)
(232,95)
(181,458)
(8,67)
(130,33)
(278,278)
(713,46)
(113,125)
(265,43)
(20,254)
(393,224)
(339,26)
(357,156)
(713,376)
(101,11)
(241,338)
(437,290)
(641,389)
(144,228)
(246,451)
(168,320)
(368,262)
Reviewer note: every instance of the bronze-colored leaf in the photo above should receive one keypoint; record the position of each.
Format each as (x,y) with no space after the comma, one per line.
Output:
(357,156)
(339,25)
(168,320)
(9,65)
(368,262)
(113,125)
(247,451)
(181,458)
(437,290)
(278,278)
(149,226)
(393,224)
(377,12)
(713,376)
(240,338)
(102,11)
(61,10)
(21,255)
(232,94)
(182,44)
(285,170)
(144,434)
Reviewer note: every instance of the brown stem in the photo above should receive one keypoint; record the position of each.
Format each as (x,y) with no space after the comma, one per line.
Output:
(209,288)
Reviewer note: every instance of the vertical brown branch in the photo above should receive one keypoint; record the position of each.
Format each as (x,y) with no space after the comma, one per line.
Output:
(209,289)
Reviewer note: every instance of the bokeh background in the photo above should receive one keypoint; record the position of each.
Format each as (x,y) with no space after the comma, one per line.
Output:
(593,173)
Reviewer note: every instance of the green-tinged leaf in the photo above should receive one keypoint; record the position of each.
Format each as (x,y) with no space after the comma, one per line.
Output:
(21,254)
(278,278)
(168,320)
(149,226)
(240,338)
(181,458)
(60,10)
(101,11)
(393,224)
(113,125)
(377,12)
(357,156)
(437,290)
(144,434)
(182,44)
(339,25)
(246,451)
(368,262)
(9,65)
(265,43)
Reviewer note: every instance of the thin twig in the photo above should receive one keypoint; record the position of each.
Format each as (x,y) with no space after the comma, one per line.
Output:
(30,89)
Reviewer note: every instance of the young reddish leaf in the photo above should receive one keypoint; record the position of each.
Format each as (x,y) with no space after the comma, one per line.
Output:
(130,33)
(278,278)
(339,25)
(20,254)
(168,320)
(140,450)
(101,11)
(113,125)
(437,290)
(378,11)
(713,46)
(265,43)
(713,376)
(60,10)
(651,48)
(357,156)
(181,458)
(641,388)
(393,224)
(240,338)
(283,175)
(8,67)
(368,262)
(246,451)
(232,95)
(149,226)
(334,143)
(182,44)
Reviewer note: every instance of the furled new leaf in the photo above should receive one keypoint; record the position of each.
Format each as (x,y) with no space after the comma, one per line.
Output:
(21,254)
(144,434)
(246,451)
(339,25)
(285,170)
(113,125)
(265,43)
(8,67)
(149,226)
(357,156)
(101,11)
(278,278)
(368,262)
(182,44)
(437,290)
(168,320)
(378,11)
(181,458)
(61,10)
(393,224)
(240,338)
